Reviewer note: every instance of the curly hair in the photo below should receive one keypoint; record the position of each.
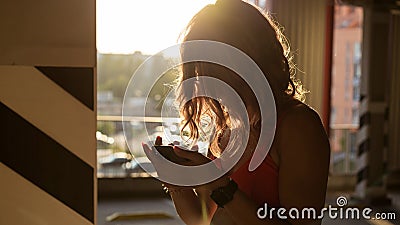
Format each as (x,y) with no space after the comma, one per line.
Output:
(255,33)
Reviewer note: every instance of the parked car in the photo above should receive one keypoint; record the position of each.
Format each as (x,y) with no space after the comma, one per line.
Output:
(139,165)
(117,159)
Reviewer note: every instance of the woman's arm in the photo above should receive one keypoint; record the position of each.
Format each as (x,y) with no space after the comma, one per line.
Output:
(193,207)
(304,162)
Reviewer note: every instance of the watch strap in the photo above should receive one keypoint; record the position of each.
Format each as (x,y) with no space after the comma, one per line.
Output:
(222,195)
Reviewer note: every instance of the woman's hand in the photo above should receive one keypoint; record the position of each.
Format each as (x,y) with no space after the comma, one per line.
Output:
(162,167)
(189,205)
(191,158)
(194,158)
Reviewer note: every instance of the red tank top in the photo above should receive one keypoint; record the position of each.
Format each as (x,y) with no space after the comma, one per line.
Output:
(261,185)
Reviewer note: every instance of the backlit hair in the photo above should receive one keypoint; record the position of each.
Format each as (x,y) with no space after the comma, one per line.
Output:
(245,27)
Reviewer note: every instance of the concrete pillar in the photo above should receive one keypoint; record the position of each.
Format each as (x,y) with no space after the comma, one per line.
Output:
(372,155)
(393,177)
(48,112)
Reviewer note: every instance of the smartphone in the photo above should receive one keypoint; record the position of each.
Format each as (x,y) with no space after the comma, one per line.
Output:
(168,152)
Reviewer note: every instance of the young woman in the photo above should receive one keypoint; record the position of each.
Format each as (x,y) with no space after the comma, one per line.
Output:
(294,173)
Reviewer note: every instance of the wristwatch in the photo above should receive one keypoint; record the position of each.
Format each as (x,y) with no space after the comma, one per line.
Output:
(223,195)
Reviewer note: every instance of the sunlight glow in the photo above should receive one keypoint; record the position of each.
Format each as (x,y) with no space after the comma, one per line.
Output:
(149,26)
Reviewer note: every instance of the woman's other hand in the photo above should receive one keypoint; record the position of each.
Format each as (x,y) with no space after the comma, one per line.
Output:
(194,158)
(162,167)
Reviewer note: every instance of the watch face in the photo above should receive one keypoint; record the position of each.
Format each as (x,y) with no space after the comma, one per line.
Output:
(223,195)
(220,197)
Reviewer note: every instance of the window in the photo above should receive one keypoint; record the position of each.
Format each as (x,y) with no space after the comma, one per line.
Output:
(355,116)
(128,33)
(333,115)
(346,73)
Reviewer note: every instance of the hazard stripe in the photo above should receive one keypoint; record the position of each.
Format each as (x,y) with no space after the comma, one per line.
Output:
(46,163)
(76,81)
(50,108)
(22,202)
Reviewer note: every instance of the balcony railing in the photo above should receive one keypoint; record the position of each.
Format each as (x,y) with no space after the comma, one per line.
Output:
(115,159)
(343,149)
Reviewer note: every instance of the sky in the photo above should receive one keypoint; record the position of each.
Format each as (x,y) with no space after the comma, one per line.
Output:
(149,26)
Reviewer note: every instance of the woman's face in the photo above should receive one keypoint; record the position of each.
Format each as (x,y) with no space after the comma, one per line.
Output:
(234,82)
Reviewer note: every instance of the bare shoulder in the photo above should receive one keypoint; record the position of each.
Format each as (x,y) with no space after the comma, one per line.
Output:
(301,117)
(302,126)
(304,158)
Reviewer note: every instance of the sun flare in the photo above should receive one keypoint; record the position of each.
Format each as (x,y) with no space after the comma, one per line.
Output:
(149,26)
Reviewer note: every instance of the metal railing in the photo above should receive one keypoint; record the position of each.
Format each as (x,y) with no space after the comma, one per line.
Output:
(343,139)
(114,158)
(111,141)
